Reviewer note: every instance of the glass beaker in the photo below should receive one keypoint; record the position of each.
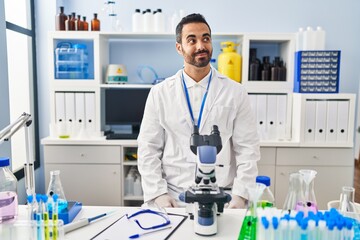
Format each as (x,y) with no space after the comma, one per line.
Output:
(295,197)
(248,228)
(308,177)
(346,203)
(55,187)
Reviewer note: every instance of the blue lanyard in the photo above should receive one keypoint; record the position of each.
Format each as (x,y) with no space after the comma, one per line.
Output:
(202,103)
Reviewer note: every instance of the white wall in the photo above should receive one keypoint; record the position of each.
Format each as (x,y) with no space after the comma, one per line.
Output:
(340,19)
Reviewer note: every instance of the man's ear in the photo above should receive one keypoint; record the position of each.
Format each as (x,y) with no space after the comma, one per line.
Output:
(178,48)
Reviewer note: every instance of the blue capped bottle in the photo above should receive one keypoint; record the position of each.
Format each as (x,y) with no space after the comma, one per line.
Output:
(8,191)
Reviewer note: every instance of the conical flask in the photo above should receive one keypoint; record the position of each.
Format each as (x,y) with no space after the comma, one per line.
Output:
(295,197)
(308,177)
(55,187)
(346,203)
(248,228)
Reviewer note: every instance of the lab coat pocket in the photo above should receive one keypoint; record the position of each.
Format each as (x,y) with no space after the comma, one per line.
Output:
(223,117)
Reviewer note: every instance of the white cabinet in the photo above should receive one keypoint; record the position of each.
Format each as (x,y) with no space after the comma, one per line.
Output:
(334,166)
(89,174)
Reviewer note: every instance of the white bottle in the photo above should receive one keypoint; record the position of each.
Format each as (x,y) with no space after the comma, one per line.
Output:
(320,39)
(174,21)
(137,187)
(129,184)
(148,21)
(309,39)
(300,39)
(137,21)
(159,21)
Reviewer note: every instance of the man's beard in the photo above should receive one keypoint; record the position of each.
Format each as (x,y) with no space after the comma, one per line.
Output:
(201,62)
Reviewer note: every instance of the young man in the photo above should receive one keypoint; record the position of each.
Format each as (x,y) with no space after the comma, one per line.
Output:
(173,107)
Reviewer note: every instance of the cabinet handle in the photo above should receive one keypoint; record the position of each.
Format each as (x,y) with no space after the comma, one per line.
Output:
(114,172)
(315,157)
(282,174)
(82,154)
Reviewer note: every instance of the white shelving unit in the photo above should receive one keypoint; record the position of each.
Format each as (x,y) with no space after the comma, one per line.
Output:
(91,155)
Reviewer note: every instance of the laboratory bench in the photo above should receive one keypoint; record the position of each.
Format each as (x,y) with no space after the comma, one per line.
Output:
(229,223)
(101,166)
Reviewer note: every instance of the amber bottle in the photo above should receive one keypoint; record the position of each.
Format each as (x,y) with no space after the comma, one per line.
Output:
(79,23)
(85,24)
(60,20)
(95,23)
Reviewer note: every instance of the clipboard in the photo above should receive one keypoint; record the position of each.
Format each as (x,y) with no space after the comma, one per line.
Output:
(122,228)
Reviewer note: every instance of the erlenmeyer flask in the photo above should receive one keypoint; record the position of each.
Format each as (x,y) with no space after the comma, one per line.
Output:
(248,228)
(346,203)
(295,197)
(308,177)
(55,187)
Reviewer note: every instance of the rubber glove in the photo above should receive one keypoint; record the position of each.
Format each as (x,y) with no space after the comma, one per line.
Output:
(237,202)
(165,201)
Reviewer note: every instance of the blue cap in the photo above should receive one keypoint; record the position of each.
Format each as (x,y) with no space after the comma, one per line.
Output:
(4,161)
(264,180)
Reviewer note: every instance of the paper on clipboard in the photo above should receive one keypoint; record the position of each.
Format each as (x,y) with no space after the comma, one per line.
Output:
(123,228)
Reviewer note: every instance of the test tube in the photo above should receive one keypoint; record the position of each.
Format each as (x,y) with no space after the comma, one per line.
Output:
(55,216)
(46,217)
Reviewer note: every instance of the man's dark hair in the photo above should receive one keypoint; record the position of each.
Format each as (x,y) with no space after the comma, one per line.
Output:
(192,18)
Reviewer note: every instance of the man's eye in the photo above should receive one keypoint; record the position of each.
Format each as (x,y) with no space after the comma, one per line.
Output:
(207,39)
(191,41)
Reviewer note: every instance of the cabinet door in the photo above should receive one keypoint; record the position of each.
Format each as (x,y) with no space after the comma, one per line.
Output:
(328,182)
(91,184)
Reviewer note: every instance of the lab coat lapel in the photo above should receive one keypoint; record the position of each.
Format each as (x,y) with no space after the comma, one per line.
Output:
(215,89)
(180,96)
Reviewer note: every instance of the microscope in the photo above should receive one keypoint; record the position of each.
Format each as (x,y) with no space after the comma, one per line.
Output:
(208,198)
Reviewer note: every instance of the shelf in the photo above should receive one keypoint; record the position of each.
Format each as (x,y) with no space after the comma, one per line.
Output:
(133,198)
(125,85)
(130,163)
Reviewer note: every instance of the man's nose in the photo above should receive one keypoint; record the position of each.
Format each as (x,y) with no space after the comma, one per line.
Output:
(200,45)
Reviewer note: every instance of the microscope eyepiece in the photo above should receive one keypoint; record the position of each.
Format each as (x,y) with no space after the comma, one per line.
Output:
(215,130)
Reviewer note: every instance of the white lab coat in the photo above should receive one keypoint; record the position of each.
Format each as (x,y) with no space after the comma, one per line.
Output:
(165,160)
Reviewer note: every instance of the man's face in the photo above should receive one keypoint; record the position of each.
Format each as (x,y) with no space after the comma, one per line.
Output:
(196,45)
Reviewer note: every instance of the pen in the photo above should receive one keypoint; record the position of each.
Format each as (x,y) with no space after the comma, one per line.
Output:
(144,233)
(83,222)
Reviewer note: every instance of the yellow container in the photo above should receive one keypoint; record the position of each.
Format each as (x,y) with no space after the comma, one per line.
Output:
(229,61)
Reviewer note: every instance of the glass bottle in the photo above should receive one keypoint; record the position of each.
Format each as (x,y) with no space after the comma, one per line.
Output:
(267,198)
(79,24)
(346,203)
(67,23)
(282,71)
(266,69)
(8,191)
(72,22)
(85,24)
(60,20)
(275,69)
(95,23)
(308,177)
(254,66)
(55,187)
(295,197)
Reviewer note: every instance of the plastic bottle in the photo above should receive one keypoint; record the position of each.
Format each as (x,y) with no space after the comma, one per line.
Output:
(8,191)
(129,184)
(320,39)
(159,21)
(55,187)
(60,20)
(95,23)
(67,23)
(229,61)
(300,39)
(309,39)
(137,186)
(85,24)
(148,21)
(267,198)
(137,21)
